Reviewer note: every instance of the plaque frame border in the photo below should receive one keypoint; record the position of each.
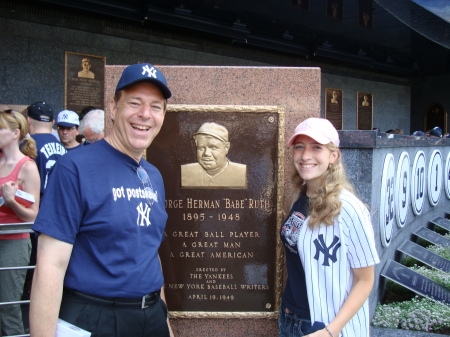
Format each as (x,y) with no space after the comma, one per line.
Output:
(279,258)
(66,82)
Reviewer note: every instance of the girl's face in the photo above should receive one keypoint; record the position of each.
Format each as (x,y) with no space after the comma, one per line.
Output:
(311,160)
(7,136)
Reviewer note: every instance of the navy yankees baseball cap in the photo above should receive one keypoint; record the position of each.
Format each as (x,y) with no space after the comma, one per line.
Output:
(436,132)
(40,111)
(143,72)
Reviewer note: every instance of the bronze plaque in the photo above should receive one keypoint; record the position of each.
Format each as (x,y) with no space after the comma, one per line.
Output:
(84,83)
(333,107)
(364,116)
(335,9)
(302,4)
(436,116)
(365,13)
(223,172)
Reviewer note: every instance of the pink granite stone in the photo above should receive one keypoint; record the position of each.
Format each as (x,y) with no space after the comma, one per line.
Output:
(297,89)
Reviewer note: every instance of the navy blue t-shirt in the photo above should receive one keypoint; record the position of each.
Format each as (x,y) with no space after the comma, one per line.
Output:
(295,297)
(95,201)
(79,146)
(49,150)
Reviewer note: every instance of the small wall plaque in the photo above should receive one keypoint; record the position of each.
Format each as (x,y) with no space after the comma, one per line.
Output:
(334,107)
(424,255)
(416,282)
(432,237)
(364,111)
(441,222)
(84,83)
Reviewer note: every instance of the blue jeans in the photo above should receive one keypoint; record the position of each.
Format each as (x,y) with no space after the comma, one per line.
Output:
(291,325)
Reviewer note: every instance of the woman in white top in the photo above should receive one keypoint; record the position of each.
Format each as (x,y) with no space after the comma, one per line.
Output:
(335,242)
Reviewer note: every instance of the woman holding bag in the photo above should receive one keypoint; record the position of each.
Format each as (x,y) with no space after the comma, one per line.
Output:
(17,171)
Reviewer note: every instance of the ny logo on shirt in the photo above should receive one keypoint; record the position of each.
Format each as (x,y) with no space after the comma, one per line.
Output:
(321,247)
(143,215)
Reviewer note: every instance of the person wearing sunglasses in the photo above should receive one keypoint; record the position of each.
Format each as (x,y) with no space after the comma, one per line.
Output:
(98,265)
(18,171)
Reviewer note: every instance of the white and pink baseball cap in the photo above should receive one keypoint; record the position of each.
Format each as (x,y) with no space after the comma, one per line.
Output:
(319,129)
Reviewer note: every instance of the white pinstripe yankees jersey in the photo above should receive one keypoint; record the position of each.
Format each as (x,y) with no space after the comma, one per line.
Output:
(328,253)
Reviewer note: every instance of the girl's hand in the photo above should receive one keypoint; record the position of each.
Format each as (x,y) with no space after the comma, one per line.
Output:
(319,333)
(9,190)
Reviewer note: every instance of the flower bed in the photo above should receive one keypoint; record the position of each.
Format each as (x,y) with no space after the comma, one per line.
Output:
(403,309)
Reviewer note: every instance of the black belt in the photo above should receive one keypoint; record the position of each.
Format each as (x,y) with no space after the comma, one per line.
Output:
(137,302)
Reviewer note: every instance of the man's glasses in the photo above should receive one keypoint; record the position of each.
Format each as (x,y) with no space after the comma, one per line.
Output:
(150,194)
(93,140)
(66,128)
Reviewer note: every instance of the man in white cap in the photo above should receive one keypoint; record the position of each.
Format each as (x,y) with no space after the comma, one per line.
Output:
(213,169)
(98,265)
(68,123)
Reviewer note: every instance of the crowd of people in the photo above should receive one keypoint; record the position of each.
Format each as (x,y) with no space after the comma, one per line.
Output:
(29,150)
(91,258)
(435,132)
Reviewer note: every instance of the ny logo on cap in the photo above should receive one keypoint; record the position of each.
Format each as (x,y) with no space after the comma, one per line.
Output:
(151,71)
(65,116)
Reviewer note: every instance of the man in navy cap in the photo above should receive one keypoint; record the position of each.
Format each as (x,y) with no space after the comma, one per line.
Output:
(98,264)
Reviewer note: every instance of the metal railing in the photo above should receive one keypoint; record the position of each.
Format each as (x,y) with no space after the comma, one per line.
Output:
(16,228)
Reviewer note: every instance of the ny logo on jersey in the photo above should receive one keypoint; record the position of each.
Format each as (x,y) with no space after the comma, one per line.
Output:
(143,218)
(321,247)
(151,71)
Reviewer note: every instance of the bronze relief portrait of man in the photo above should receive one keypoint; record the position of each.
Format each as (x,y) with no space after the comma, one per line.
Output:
(213,169)
(86,72)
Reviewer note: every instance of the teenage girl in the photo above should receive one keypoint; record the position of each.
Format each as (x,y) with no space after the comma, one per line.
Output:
(329,242)
(17,171)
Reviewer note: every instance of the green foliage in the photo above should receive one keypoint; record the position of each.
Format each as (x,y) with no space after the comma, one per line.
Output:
(409,261)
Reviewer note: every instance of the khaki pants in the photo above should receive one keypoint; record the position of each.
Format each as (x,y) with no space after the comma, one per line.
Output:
(13,253)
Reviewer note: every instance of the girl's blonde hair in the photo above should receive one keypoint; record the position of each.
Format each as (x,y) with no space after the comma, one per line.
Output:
(16,121)
(325,205)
